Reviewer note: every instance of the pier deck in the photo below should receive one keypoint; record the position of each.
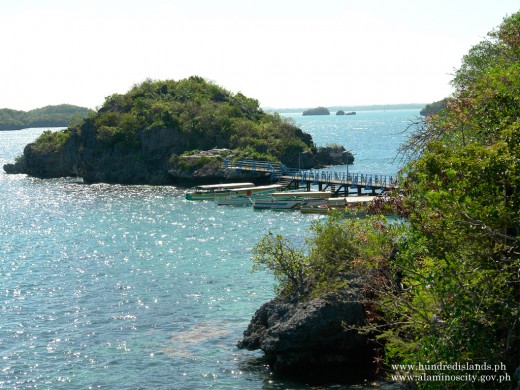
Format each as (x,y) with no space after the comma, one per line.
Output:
(337,182)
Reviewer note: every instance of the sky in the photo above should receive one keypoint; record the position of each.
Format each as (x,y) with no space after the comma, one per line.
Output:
(284,53)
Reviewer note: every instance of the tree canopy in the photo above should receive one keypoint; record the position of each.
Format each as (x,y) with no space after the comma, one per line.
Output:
(460,260)
(206,114)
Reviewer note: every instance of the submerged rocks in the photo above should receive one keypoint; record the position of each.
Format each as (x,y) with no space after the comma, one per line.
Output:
(312,337)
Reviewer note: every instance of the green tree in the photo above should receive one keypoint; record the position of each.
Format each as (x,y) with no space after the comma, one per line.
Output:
(455,287)
(443,286)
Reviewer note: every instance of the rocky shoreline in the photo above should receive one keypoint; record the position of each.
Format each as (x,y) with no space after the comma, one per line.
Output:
(313,338)
(158,161)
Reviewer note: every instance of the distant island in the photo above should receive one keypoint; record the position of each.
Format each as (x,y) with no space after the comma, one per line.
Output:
(434,108)
(49,116)
(406,106)
(341,112)
(317,111)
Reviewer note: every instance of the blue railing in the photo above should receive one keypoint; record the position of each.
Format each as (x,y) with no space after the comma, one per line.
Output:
(279,170)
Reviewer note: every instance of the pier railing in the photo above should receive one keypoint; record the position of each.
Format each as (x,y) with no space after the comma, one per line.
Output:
(279,171)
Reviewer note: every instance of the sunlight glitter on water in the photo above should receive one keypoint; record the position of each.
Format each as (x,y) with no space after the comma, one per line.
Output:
(133,286)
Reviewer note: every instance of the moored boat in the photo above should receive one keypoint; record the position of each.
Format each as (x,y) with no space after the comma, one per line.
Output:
(245,196)
(350,204)
(212,191)
(320,208)
(291,200)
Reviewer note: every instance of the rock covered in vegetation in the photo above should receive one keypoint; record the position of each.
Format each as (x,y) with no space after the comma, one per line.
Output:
(136,138)
(47,158)
(443,286)
(206,166)
(317,111)
(333,154)
(312,336)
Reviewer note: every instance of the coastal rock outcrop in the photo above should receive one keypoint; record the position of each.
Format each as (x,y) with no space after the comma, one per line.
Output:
(147,135)
(142,137)
(333,155)
(312,336)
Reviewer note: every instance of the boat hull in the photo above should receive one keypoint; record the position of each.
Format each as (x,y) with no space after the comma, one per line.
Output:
(277,205)
(314,209)
(209,196)
(235,202)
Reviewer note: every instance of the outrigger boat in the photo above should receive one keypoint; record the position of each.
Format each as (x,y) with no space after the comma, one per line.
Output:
(291,200)
(245,196)
(212,191)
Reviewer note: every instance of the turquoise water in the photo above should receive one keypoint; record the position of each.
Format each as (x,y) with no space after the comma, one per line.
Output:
(126,287)
(372,136)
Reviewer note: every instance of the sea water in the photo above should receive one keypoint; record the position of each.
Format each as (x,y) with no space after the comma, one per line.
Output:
(133,287)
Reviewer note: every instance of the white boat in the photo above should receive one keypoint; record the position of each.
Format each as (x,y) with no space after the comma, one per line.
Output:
(245,196)
(212,191)
(302,195)
(291,200)
(276,204)
(354,204)
(350,201)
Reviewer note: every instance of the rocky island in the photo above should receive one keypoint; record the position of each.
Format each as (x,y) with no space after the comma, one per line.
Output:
(317,111)
(157,132)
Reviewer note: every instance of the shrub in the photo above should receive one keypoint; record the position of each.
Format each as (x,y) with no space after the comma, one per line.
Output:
(50,141)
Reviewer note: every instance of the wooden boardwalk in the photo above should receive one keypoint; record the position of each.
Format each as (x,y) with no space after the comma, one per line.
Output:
(338,182)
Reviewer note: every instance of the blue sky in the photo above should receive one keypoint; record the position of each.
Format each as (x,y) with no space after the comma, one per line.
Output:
(285,53)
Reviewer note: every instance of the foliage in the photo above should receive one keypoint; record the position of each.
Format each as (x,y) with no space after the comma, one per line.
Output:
(454,288)
(444,286)
(287,263)
(328,257)
(49,116)
(205,114)
(50,141)
(192,164)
